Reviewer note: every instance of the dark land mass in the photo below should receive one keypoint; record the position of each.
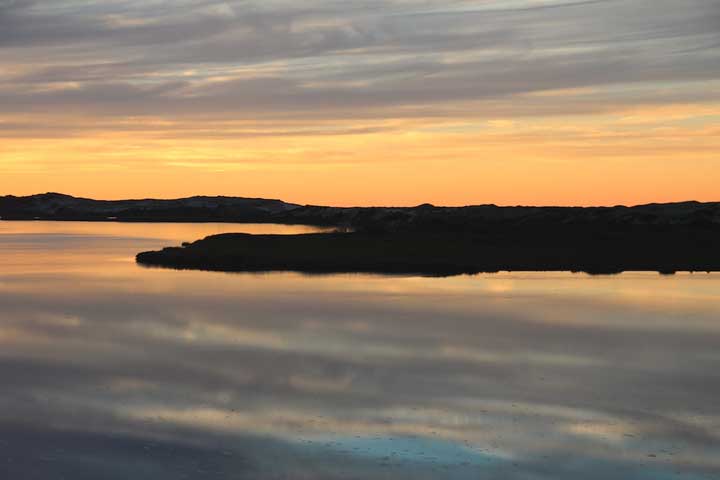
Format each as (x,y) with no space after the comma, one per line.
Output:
(425,239)
(561,249)
(423,218)
(56,206)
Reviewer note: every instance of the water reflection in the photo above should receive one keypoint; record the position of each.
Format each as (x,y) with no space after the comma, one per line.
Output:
(112,371)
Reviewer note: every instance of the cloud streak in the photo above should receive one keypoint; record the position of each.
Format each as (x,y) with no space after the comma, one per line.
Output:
(248,58)
(216,82)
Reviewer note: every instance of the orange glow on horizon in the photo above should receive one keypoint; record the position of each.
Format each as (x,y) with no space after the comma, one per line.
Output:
(395,102)
(628,158)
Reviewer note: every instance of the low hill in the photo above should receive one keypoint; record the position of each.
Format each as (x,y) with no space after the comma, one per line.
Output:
(423,218)
(55,206)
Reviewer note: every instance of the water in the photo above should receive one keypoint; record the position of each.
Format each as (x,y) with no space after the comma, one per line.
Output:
(109,370)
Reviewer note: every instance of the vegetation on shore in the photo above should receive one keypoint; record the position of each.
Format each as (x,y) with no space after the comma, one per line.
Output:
(666,251)
(425,239)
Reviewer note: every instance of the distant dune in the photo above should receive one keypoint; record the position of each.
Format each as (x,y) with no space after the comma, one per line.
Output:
(54,206)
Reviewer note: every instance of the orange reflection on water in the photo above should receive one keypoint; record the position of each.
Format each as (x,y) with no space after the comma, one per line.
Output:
(288,375)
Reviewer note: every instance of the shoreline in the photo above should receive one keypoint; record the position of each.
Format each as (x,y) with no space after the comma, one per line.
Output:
(436,254)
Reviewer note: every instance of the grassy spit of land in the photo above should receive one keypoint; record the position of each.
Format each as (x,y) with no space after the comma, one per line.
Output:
(431,253)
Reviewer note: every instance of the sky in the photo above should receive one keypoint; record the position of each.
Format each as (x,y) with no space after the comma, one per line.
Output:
(363,102)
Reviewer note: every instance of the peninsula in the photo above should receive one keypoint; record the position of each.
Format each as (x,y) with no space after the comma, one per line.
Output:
(425,239)
(433,240)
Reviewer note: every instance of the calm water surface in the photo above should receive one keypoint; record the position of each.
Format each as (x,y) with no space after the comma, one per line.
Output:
(113,371)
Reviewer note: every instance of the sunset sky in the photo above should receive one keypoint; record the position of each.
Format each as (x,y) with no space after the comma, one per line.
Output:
(363,102)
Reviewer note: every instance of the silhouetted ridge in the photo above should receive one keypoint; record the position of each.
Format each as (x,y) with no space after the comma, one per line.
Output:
(422,218)
(55,206)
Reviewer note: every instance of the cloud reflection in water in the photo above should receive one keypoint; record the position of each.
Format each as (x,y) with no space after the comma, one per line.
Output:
(113,371)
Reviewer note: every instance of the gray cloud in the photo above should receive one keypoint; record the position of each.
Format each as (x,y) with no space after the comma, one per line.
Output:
(330,59)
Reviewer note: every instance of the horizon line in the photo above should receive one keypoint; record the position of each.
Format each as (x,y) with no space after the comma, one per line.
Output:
(137,199)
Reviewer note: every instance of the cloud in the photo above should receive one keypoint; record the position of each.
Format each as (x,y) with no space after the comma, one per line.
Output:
(109,85)
(330,59)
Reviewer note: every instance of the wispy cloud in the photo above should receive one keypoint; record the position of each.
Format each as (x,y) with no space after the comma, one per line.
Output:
(206,57)
(228,71)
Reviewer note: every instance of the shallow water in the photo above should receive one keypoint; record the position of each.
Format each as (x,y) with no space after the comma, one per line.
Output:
(109,370)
